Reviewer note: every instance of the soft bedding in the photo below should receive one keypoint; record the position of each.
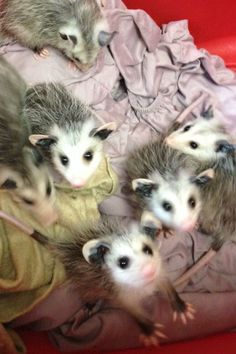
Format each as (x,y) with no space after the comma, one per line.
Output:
(146,77)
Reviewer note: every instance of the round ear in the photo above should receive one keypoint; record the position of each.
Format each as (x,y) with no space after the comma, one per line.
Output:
(225,146)
(104,38)
(104,130)
(150,225)
(208,112)
(42,140)
(95,250)
(144,187)
(203,177)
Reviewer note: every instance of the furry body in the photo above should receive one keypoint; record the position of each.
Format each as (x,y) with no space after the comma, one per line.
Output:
(66,131)
(22,169)
(73,27)
(123,266)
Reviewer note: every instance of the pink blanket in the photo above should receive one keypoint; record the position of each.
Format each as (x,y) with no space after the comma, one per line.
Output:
(144,79)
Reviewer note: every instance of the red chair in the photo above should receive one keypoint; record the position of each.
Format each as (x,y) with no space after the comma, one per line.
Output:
(213,26)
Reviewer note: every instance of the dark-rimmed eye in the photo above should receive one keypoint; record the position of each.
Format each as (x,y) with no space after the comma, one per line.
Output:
(192,202)
(167,206)
(63,36)
(64,160)
(186,128)
(147,250)
(88,155)
(28,201)
(123,262)
(193,145)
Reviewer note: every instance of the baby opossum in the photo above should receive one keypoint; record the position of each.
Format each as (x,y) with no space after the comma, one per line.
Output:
(76,27)
(206,138)
(203,137)
(166,184)
(218,216)
(119,263)
(66,131)
(22,169)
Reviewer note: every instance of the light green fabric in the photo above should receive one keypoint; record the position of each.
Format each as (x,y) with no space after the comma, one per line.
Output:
(28,271)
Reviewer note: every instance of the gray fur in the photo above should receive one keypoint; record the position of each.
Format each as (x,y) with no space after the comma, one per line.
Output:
(14,129)
(95,281)
(49,104)
(218,216)
(22,170)
(37,23)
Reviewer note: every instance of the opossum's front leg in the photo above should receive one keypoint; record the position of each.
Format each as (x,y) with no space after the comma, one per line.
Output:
(181,308)
(40,53)
(151,332)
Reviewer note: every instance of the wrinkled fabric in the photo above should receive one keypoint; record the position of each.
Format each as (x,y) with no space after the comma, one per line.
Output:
(143,81)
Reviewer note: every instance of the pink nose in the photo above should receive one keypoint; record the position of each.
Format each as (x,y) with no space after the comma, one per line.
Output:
(188,226)
(78,185)
(48,219)
(148,271)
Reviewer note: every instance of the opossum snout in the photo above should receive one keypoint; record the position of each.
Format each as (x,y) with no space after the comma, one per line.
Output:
(148,271)
(188,226)
(78,184)
(47,217)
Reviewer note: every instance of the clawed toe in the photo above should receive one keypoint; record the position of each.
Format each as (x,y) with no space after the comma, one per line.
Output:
(184,316)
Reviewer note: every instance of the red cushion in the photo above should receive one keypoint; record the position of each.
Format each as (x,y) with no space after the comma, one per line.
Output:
(211,22)
(213,26)
(225,343)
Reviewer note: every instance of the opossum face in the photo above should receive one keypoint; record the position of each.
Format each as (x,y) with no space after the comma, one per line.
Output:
(132,259)
(75,154)
(202,138)
(33,190)
(82,44)
(176,202)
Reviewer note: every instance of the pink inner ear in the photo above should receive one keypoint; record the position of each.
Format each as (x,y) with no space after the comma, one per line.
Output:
(108,126)
(34,138)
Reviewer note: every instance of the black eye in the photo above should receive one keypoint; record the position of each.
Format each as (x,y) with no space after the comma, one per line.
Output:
(192,202)
(63,36)
(28,201)
(186,128)
(193,145)
(147,250)
(167,206)
(64,160)
(88,155)
(123,262)
(49,190)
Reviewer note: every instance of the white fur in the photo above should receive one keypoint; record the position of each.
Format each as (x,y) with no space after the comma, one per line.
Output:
(177,193)
(131,277)
(43,207)
(205,133)
(74,145)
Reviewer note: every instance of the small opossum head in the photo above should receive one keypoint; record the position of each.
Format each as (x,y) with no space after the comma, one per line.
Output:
(175,201)
(85,34)
(131,257)
(32,186)
(204,138)
(75,154)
